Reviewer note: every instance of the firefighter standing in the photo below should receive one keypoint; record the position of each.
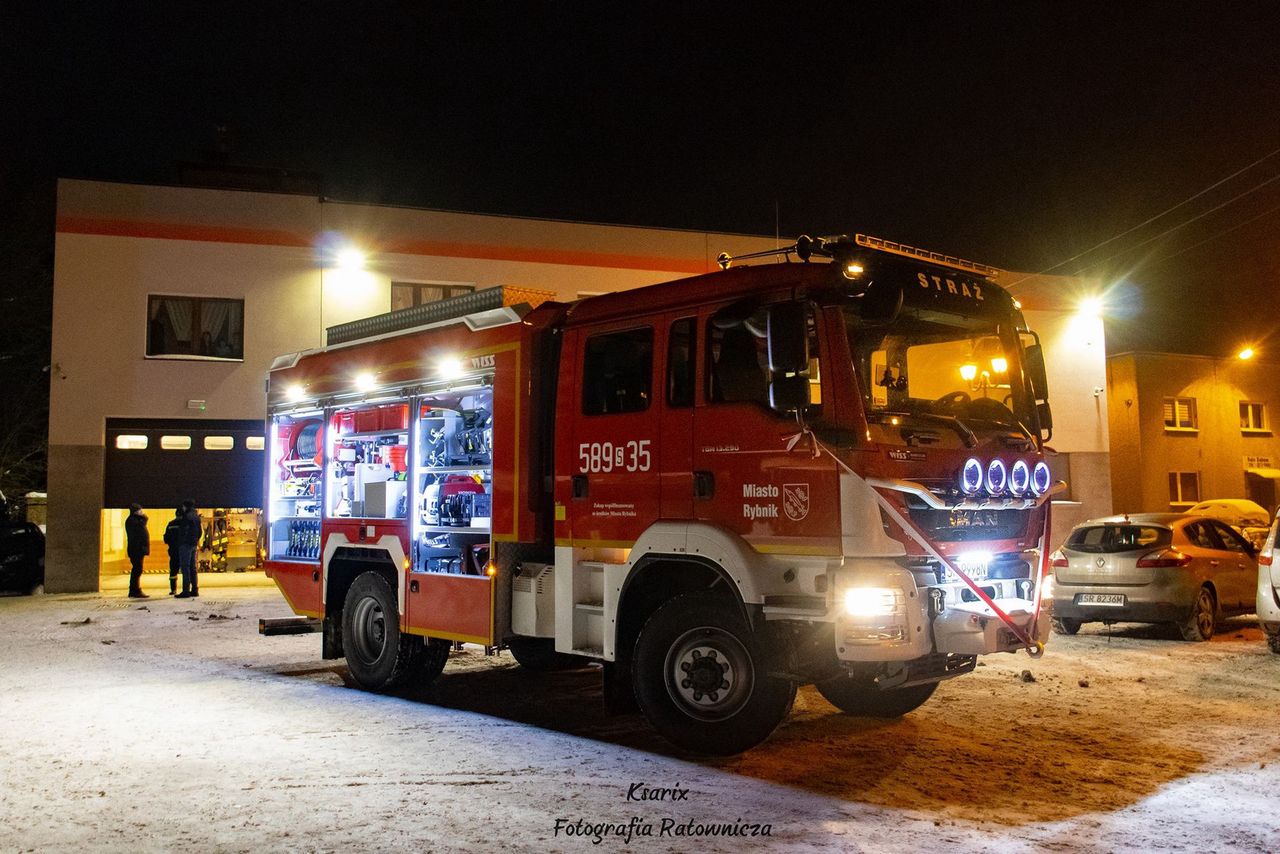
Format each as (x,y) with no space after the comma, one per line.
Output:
(137,546)
(172,538)
(189,538)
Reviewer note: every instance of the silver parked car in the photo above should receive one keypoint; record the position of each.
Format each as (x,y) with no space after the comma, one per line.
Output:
(1268,599)
(1153,568)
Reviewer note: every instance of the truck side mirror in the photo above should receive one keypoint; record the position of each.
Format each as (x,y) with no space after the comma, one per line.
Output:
(1036,372)
(789,393)
(788,335)
(1045,416)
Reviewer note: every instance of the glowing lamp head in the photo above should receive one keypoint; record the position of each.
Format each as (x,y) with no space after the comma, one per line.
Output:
(449,368)
(1041,479)
(366,381)
(971,476)
(852,270)
(1000,364)
(350,259)
(295,392)
(871,601)
(997,477)
(968,372)
(1245,354)
(1090,306)
(491,569)
(1019,478)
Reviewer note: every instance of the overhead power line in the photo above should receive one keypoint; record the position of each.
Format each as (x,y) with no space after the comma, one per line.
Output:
(1152,219)
(1225,231)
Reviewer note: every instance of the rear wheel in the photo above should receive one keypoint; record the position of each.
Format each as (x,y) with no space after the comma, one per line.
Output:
(859,695)
(701,678)
(1066,625)
(379,657)
(430,663)
(1199,624)
(540,654)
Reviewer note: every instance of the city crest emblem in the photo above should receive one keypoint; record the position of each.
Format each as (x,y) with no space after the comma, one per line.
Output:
(795,500)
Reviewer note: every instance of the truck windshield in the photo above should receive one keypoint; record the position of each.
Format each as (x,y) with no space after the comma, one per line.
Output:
(937,365)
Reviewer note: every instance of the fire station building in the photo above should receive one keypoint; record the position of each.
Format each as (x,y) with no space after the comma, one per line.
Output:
(170,304)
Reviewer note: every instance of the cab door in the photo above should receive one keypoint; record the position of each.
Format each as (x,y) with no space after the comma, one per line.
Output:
(614,483)
(746,480)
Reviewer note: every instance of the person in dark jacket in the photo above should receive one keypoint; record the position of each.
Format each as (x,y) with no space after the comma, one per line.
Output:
(189,538)
(172,533)
(137,546)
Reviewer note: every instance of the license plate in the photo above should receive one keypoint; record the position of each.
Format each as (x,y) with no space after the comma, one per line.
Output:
(973,566)
(1100,599)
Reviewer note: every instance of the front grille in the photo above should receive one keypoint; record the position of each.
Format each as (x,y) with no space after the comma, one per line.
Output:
(962,526)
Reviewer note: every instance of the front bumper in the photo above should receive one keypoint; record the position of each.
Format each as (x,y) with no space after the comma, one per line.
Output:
(926,623)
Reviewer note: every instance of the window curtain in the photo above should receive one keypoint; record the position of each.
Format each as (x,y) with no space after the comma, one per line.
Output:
(180,311)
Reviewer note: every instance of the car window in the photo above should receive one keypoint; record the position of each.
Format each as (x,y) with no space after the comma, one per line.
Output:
(1201,534)
(1231,541)
(1104,539)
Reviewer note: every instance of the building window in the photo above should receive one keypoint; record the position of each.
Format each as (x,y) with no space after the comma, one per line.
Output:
(1184,487)
(1253,417)
(219,443)
(175,443)
(254,443)
(617,373)
(195,328)
(409,294)
(1180,413)
(131,443)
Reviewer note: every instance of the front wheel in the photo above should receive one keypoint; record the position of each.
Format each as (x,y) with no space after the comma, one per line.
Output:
(1273,641)
(1199,625)
(701,679)
(859,695)
(379,657)
(540,654)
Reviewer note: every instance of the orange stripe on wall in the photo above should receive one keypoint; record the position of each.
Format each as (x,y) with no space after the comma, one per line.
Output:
(440,248)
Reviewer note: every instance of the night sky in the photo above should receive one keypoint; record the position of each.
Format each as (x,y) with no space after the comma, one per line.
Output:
(1018,134)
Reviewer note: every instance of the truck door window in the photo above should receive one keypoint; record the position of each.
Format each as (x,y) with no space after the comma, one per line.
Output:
(738,358)
(681,345)
(617,372)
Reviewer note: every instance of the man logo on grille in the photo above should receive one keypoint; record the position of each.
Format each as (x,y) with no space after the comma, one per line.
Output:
(795,500)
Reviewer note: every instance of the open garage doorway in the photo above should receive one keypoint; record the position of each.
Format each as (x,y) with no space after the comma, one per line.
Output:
(159,463)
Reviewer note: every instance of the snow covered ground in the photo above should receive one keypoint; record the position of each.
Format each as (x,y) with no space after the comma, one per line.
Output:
(173,725)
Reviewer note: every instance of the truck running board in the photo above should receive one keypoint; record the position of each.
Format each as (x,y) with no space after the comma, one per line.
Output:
(290,626)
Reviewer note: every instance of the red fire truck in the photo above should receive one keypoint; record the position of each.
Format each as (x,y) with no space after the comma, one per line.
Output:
(825,470)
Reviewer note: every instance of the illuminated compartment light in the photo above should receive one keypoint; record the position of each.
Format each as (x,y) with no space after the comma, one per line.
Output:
(1020,478)
(295,392)
(366,381)
(997,477)
(449,369)
(971,476)
(1000,364)
(1040,478)
(968,372)
(350,258)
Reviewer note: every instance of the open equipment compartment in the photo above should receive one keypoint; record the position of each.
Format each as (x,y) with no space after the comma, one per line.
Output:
(368,462)
(453,482)
(295,487)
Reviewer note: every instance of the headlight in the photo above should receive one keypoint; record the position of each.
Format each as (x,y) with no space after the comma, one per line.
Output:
(1040,478)
(997,477)
(871,601)
(971,476)
(1020,478)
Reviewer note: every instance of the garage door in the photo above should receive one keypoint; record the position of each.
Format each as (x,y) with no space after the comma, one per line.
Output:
(163,462)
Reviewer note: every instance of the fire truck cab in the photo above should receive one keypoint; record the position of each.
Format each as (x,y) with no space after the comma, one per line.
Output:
(825,471)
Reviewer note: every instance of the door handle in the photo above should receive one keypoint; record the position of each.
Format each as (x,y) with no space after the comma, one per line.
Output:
(704,484)
(579,486)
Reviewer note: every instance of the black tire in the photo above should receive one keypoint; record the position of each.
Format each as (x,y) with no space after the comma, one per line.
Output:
(855,694)
(709,640)
(1066,625)
(1273,641)
(430,663)
(379,657)
(1200,623)
(540,654)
